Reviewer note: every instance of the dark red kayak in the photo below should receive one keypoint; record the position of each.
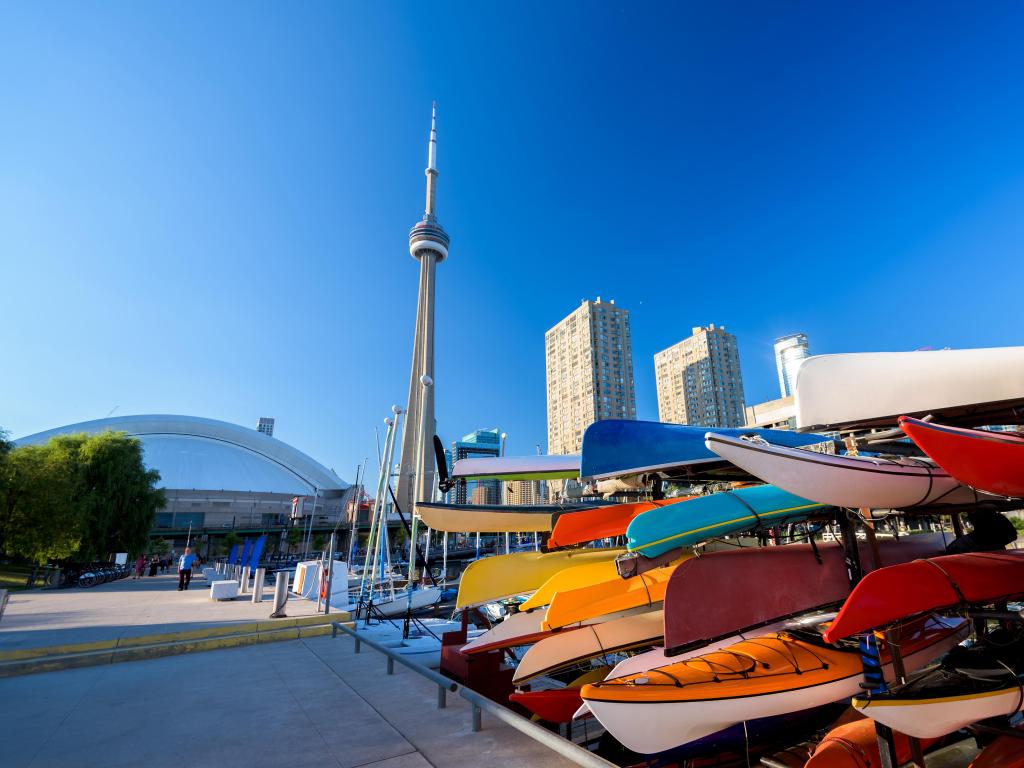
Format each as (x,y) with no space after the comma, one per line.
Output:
(555,706)
(986,461)
(750,587)
(900,591)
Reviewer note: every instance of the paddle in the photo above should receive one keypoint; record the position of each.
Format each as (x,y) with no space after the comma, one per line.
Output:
(444,482)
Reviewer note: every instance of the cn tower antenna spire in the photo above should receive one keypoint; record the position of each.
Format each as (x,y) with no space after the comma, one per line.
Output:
(430,214)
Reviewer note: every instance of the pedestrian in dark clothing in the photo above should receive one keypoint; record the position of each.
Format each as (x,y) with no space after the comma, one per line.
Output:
(153,563)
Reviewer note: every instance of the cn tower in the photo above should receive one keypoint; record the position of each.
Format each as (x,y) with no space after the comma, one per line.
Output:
(428,243)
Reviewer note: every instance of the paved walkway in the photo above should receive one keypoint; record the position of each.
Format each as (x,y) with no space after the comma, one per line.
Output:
(126,608)
(300,703)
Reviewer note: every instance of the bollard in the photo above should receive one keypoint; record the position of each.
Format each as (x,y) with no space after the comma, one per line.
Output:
(257,585)
(280,595)
(243,582)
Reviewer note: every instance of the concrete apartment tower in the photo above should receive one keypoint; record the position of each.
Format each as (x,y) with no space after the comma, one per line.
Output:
(589,359)
(699,380)
(790,352)
(428,244)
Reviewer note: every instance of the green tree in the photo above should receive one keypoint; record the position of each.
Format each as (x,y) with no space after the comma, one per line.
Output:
(319,542)
(229,540)
(293,537)
(77,496)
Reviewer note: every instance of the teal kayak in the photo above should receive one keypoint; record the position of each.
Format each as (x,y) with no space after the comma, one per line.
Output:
(663,529)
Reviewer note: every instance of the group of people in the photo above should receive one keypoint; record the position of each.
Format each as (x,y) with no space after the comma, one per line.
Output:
(162,564)
(152,564)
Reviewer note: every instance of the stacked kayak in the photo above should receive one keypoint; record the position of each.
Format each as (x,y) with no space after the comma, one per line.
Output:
(844,481)
(760,677)
(599,523)
(855,745)
(971,684)
(988,461)
(616,448)
(504,576)
(893,593)
(667,528)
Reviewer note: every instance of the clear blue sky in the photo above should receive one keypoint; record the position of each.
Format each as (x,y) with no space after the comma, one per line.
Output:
(204,207)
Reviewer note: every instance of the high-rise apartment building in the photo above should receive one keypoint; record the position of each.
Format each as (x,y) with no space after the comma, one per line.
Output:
(589,359)
(699,380)
(525,492)
(266,426)
(483,442)
(790,352)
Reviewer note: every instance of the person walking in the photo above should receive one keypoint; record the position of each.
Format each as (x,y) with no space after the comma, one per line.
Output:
(153,563)
(140,564)
(185,569)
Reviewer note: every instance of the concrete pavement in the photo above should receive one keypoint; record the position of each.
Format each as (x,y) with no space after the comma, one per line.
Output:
(127,608)
(297,703)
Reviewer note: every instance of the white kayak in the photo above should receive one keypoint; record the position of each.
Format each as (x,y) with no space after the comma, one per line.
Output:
(544,467)
(564,649)
(844,481)
(933,718)
(867,389)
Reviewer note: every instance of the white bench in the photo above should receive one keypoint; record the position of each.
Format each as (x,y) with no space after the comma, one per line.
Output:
(224,590)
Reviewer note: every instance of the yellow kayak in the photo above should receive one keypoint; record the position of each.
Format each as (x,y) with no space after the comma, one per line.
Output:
(502,576)
(571,578)
(609,596)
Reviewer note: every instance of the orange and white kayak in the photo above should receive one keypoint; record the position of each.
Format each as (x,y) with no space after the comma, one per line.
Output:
(610,596)
(760,677)
(855,745)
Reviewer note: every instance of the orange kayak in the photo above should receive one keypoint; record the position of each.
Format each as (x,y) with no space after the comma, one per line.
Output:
(600,523)
(855,745)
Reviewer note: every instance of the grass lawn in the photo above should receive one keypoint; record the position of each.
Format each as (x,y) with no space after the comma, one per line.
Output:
(13,577)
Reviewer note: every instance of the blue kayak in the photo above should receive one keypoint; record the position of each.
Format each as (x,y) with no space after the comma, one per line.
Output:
(666,528)
(617,447)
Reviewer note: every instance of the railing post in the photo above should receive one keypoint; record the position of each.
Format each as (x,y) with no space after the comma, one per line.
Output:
(391,666)
(477,725)
(358,644)
(442,697)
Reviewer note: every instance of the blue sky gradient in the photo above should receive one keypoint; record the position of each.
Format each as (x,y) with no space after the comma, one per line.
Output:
(204,207)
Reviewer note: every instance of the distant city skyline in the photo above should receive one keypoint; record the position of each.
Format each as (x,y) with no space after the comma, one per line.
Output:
(186,232)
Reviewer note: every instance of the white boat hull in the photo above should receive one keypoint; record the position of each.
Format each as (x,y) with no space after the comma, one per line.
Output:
(932,718)
(844,481)
(399,604)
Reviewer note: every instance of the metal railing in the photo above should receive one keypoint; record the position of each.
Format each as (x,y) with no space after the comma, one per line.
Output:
(567,749)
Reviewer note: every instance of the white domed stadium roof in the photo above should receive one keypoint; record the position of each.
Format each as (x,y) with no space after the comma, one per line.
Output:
(192,453)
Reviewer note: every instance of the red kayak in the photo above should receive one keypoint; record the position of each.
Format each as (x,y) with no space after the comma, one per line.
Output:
(986,461)
(900,591)
(556,706)
(599,523)
(786,581)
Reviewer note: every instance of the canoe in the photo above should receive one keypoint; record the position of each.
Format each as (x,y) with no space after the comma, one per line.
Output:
(980,386)
(987,461)
(566,649)
(715,579)
(614,447)
(600,523)
(762,677)
(845,481)
(615,594)
(490,518)
(893,593)
(855,745)
(660,530)
(546,467)
(971,684)
(568,579)
(504,576)
(1005,752)
(557,705)
(515,629)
